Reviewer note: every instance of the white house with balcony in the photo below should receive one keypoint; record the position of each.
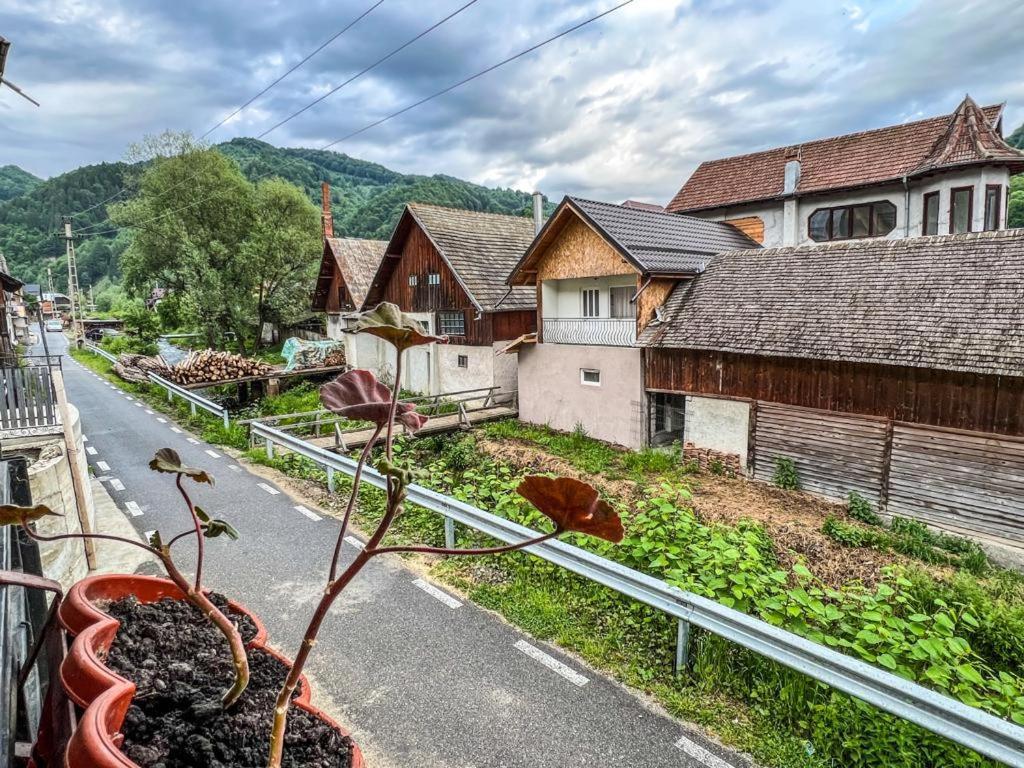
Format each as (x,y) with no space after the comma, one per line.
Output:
(601,272)
(942,175)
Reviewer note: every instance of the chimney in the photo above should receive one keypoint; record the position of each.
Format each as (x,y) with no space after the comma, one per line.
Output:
(538,212)
(326,218)
(791,179)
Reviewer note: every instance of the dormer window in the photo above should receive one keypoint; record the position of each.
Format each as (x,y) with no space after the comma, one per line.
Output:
(851,222)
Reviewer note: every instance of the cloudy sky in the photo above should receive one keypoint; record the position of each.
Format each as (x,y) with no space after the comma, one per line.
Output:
(625,107)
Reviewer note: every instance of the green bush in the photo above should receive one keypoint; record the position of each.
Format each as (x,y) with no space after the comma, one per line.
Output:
(652,461)
(860,508)
(118,345)
(785,474)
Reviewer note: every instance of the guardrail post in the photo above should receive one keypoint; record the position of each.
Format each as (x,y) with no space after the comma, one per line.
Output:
(270,448)
(227,421)
(682,646)
(170,396)
(330,479)
(192,407)
(449,533)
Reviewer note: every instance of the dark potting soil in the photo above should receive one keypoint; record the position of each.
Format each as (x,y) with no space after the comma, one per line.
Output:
(181,665)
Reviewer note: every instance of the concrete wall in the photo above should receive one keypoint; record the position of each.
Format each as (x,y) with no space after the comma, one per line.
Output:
(719,424)
(550,391)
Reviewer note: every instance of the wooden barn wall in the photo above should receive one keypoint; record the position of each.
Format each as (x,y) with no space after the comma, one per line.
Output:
(419,257)
(510,325)
(919,395)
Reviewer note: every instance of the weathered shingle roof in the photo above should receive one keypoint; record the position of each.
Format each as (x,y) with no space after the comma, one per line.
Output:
(654,242)
(481,249)
(357,261)
(853,160)
(954,302)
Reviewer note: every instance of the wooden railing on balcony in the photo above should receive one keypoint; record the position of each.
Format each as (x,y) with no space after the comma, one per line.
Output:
(597,331)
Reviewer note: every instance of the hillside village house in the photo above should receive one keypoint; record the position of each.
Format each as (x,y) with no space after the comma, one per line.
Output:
(599,272)
(347,266)
(893,368)
(943,175)
(448,267)
(9,286)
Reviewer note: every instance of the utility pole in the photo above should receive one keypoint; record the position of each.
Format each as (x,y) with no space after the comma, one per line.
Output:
(92,301)
(49,281)
(73,293)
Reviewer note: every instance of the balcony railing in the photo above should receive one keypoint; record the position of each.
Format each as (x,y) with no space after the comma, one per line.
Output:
(599,331)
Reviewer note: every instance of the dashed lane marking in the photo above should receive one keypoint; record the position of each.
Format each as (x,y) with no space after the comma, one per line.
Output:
(116,484)
(353,541)
(149,412)
(90,450)
(212,454)
(138,404)
(438,594)
(85,438)
(701,755)
(129,399)
(175,429)
(161,419)
(103,466)
(193,441)
(307,512)
(552,663)
(133,508)
(234,468)
(272,491)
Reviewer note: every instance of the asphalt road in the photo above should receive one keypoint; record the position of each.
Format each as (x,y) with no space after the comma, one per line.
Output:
(421,679)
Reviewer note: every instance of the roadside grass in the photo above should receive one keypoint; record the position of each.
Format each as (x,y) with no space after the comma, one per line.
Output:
(956,632)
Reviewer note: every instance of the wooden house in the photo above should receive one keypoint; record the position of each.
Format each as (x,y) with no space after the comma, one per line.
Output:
(893,368)
(600,272)
(448,268)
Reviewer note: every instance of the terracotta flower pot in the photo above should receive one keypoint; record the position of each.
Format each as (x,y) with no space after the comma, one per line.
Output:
(104,695)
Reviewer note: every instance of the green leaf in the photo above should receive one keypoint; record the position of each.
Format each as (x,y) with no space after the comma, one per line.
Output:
(215,528)
(969,673)
(887,661)
(167,460)
(155,541)
(201,514)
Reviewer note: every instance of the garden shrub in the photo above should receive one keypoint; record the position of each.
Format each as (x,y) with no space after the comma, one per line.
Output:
(860,508)
(785,474)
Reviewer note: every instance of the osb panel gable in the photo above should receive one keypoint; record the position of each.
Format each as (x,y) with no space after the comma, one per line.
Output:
(751,226)
(578,251)
(652,297)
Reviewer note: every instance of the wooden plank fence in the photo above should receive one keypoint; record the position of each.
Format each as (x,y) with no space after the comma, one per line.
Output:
(27,398)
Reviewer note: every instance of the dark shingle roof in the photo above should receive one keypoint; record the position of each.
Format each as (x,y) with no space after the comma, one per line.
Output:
(358,261)
(954,302)
(481,249)
(853,160)
(662,243)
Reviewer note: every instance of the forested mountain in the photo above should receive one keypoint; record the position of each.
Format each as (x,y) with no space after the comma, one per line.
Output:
(15,182)
(366,199)
(1015,210)
(1016,139)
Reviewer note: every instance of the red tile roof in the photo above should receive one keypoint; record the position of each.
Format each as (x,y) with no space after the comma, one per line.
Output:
(968,136)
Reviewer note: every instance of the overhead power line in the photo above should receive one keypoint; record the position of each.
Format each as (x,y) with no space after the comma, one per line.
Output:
(309,56)
(479,74)
(362,72)
(393,115)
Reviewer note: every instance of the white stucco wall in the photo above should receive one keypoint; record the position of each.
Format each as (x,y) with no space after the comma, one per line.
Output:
(564,298)
(719,424)
(550,391)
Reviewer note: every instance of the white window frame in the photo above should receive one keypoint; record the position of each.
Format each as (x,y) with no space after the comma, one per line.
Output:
(591,302)
(433,278)
(583,377)
(413,281)
(452,313)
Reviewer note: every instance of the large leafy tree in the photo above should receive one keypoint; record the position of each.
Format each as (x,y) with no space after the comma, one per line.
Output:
(234,253)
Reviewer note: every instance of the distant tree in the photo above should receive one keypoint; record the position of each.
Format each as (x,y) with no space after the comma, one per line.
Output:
(1015,213)
(1016,139)
(139,321)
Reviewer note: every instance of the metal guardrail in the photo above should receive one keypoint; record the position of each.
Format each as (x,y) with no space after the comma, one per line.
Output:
(101,352)
(599,331)
(193,399)
(968,726)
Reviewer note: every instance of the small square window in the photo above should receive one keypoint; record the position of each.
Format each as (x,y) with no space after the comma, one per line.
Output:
(452,323)
(413,280)
(590,376)
(434,278)
(463,361)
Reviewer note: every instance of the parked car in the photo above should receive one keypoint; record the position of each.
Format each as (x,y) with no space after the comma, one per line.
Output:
(54,325)
(98,334)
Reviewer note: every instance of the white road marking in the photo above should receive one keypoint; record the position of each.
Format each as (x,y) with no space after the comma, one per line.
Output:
(701,755)
(307,512)
(193,441)
(85,438)
(129,399)
(116,484)
(353,541)
(103,478)
(138,404)
(552,663)
(212,454)
(103,465)
(90,450)
(234,468)
(268,489)
(175,429)
(149,412)
(434,592)
(133,508)
(161,420)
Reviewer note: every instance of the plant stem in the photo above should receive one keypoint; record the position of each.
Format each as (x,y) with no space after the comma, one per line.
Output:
(200,543)
(356,479)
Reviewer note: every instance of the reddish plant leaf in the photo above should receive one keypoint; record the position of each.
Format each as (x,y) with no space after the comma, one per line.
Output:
(15,515)
(388,322)
(167,460)
(573,506)
(358,395)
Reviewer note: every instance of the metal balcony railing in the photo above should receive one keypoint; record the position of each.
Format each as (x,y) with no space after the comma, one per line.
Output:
(599,331)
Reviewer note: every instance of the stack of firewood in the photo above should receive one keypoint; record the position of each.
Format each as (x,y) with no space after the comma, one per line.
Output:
(209,365)
(203,367)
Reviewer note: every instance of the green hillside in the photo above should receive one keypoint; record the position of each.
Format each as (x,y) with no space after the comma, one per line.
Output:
(366,200)
(15,182)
